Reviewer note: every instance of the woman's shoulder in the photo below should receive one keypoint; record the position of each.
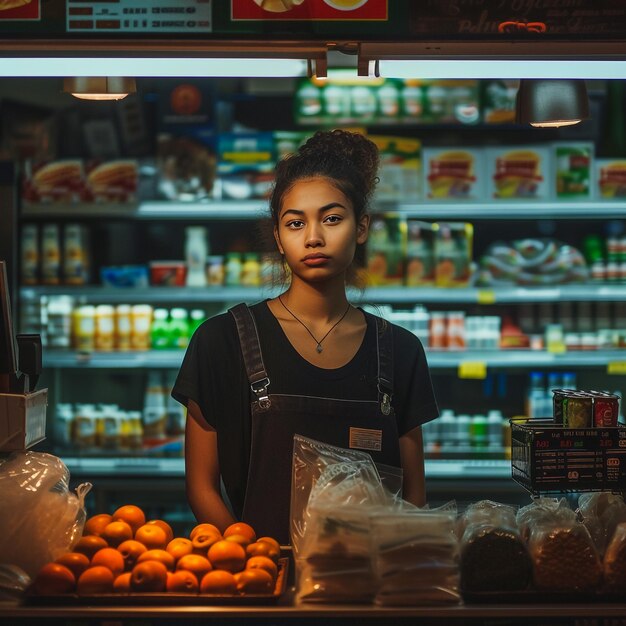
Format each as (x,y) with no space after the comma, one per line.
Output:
(404,341)
(223,326)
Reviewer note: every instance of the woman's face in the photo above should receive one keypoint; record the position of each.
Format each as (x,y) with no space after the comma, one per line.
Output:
(317,230)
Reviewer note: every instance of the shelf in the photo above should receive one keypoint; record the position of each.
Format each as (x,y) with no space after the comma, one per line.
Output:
(392,295)
(256,209)
(171,359)
(160,467)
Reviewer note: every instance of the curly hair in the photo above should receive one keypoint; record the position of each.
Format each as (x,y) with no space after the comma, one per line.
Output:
(349,161)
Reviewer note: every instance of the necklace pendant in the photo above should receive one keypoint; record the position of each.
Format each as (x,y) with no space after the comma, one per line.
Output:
(319,348)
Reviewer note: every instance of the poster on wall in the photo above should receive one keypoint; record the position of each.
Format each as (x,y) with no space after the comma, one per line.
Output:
(19,10)
(315,10)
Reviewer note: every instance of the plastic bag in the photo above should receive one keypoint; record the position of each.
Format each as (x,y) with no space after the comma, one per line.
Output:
(615,560)
(40,518)
(494,556)
(564,556)
(416,557)
(601,512)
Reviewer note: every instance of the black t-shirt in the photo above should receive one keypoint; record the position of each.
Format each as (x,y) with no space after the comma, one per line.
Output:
(213,375)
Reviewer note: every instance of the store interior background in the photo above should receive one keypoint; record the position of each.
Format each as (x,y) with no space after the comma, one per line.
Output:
(40,122)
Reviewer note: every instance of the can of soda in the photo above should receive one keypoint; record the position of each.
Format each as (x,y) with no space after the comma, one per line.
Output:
(605,409)
(577,410)
(558,396)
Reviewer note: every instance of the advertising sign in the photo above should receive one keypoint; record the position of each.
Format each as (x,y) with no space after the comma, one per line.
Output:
(19,10)
(298,10)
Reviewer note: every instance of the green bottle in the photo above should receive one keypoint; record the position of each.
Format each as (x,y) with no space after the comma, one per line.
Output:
(160,330)
(179,329)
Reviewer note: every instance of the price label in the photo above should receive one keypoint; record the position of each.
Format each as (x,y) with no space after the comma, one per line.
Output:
(616,367)
(486,296)
(473,369)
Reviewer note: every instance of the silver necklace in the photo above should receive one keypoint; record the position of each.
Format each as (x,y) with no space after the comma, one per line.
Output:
(319,347)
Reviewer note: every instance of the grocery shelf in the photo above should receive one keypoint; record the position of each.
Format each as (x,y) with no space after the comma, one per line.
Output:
(255,209)
(159,467)
(67,359)
(392,295)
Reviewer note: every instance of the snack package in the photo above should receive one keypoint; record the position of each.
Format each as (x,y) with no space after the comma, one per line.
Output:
(453,174)
(493,555)
(518,173)
(416,557)
(610,179)
(386,250)
(573,168)
(615,560)
(564,556)
(601,512)
(40,517)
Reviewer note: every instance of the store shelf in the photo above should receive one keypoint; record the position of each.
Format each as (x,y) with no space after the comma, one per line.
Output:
(67,359)
(160,467)
(391,295)
(255,209)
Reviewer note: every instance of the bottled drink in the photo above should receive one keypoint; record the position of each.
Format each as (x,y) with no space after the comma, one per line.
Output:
(447,428)
(176,412)
(30,254)
(105,327)
(479,431)
(50,255)
(463,431)
(197,317)
(232,270)
(160,331)
(196,250)
(495,424)
(154,407)
(179,329)
(122,326)
(535,397)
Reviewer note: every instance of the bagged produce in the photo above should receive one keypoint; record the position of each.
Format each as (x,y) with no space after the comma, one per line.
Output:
(40,517)
(564,556)
(493,555)
(601,512)
(614,564)
(415,556)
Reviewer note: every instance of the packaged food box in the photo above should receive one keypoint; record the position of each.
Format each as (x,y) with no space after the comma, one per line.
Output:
(454,174)
(112,181)
(55,181)
(420,253)
(386,250)
(168,273)
(610,179)
(573,168)
(400,168)
(453,253)
(518,172)
(124,276)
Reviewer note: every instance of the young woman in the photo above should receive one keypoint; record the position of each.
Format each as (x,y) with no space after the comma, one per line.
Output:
(306,362)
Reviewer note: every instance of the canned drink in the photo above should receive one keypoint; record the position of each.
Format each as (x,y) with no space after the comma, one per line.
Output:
(605,409)
(577,410)
(558,396)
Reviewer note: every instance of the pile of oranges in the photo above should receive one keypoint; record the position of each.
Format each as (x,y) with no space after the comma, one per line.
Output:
(125,553)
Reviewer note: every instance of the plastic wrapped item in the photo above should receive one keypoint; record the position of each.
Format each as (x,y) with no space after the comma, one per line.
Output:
(601,512)
(416,556)
(614,564)
(40,517)
(564,556)
(493,555)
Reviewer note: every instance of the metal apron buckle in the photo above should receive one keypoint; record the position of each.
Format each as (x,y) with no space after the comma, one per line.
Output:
(259,389)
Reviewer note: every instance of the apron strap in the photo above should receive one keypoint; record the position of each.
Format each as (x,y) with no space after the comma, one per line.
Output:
(384,349)
(251,350)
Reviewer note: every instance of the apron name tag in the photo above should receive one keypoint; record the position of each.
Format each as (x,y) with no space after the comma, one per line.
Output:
(366,439)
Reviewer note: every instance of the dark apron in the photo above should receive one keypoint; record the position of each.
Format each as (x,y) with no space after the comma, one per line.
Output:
(368,425)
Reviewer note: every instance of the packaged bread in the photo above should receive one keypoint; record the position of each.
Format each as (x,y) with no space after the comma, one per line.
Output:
(601,512)
(615,560)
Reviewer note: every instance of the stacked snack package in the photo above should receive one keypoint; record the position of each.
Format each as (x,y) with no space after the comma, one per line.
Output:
(494,558)
(564,556)
(415,556)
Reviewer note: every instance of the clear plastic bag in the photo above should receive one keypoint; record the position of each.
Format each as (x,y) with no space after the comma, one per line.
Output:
(40,517)
(564,556)
(601,512)
(614,564)
(494,556)
(416,556)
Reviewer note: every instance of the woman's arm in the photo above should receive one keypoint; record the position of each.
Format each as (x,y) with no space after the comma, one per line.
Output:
(412,460)
(202,470)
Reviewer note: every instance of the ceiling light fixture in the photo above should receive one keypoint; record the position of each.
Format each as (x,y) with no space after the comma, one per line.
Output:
(551,103)
(99,87)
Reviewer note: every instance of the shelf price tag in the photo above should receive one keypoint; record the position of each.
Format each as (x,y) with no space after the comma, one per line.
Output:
(616,367)
(473,369)
(486,296)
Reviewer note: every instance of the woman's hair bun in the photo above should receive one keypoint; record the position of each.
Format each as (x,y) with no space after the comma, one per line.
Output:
(345,147)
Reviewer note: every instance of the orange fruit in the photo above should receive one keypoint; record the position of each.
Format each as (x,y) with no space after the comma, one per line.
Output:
(201,542)
(263,548)
(227,555)
(132,515)
(196,564)
(116,532)
(241,528)
(89,545)
(122,583)
(96,523)
(169,533)
(97,579)
(218,581)
(182,580)
(76,562)
(263,562)
(255,581)
(148,576)
(242,540)
(130,551)
(205,529)
(179,546)
(54,578)
(158,555)
(152,536)
(271,541)
(111,558)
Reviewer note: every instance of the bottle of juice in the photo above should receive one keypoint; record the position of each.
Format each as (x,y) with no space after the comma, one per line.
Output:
(160,330)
